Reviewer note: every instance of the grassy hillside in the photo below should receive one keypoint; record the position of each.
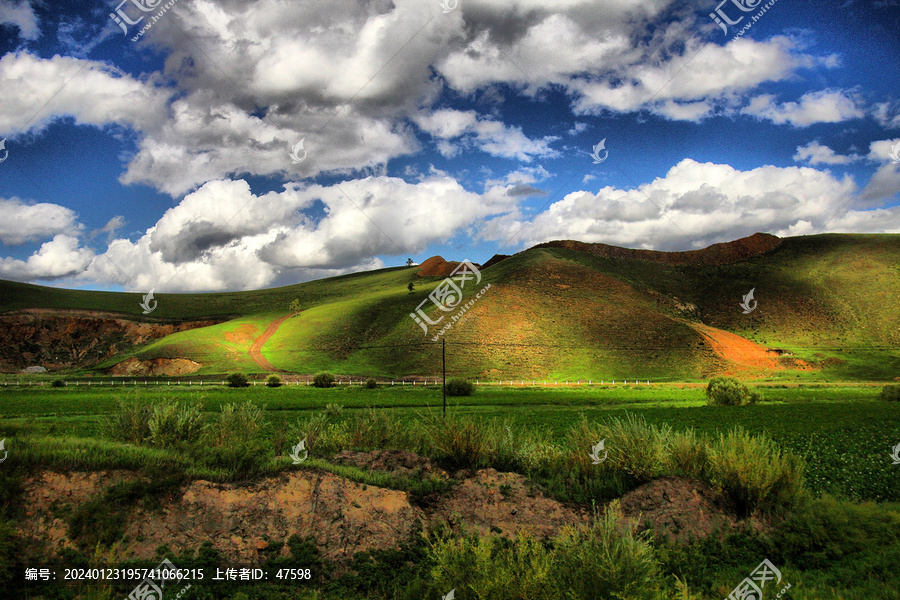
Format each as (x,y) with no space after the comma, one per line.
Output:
(828,302)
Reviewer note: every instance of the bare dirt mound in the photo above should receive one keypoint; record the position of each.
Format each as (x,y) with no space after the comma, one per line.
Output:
(717,254)
(437,267)
(63,339)
(256,349)
(251,523)
(133,367)
(681,509)
(504,504)
(741,354)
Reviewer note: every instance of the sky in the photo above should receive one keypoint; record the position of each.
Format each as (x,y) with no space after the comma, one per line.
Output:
(192,145)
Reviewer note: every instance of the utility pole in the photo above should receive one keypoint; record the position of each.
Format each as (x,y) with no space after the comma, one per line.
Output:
(444,369)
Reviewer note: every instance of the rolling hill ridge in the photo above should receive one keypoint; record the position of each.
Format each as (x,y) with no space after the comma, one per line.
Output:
(827,308)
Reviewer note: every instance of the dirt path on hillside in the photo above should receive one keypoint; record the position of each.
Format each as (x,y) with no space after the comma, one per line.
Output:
(740,351)
(256,349)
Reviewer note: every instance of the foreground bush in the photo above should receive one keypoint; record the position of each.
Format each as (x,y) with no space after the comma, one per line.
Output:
(323,380)
(237,380)
(130,422)
(457,442)
(728,391)
(891,393)
(237,424)
(171,423)
(586,562)
(754,472)
(460,387)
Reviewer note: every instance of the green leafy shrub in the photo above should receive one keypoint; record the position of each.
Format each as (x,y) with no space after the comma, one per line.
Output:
(323,380)
(377,429)
(491,568)
(237,380)
(728,391)
(460,387)
(273,381)
(891,393)
(57,383)
(754,472)
(171,423)
(371,383)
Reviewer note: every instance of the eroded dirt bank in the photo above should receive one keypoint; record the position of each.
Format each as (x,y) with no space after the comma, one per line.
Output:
(58,339)
(250,523)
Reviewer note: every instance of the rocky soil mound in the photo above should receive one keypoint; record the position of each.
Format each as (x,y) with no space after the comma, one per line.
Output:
(249,523)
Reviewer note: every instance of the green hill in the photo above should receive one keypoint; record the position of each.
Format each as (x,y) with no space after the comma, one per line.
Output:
(826,309)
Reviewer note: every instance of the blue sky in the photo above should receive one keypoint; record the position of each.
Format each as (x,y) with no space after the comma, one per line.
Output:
(462,128)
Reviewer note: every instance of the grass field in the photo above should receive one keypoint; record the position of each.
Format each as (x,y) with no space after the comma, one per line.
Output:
(844,433)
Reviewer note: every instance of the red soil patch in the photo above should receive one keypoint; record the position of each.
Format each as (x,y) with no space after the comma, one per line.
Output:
(132,367)
(717,254)
(743,354)
(438,267)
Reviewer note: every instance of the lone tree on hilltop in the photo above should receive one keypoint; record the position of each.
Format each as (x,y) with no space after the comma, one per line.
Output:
(295,305)
(411,287)
(409,262)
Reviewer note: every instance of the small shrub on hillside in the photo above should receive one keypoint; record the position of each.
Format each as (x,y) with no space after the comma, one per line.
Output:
(273,381)
(891,393)
(323,380)
(58,383)
(728,391)
(171,423)
(371,383)
(460,387)
(237,380)
(754,472)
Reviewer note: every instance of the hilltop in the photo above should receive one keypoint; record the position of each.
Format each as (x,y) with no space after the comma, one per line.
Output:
(564,309)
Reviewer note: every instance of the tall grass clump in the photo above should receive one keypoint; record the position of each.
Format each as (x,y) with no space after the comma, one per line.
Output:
(492,568)
(688,454)
(321,437)
(458,442)
(587,562)
(754,472)
(171,423)
(728,391)
(234,448)
(606,559)
(637,450)
(378,429)
(130,422)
